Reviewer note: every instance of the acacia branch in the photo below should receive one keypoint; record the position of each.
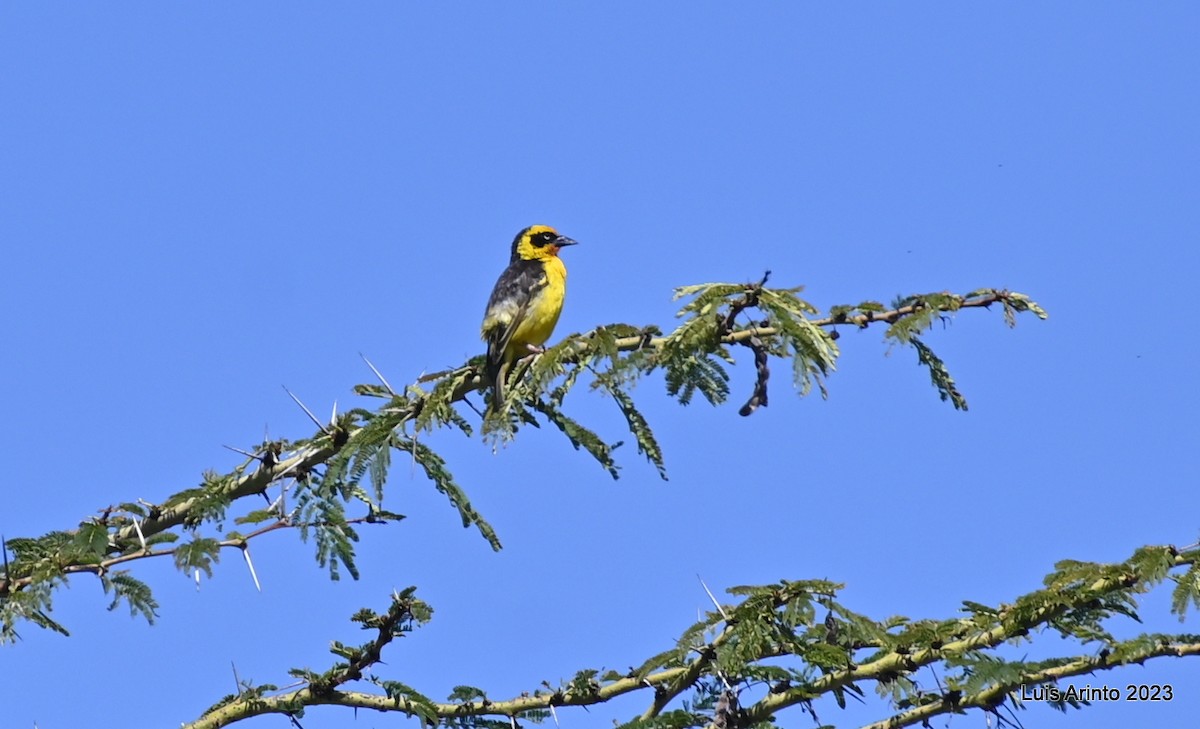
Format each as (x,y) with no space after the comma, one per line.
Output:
(236,485)
(685,680)
(103,566)
(993,696)
(670,683)
(289,702)
(331,440)
(659,683)
(897,663)
(387,626)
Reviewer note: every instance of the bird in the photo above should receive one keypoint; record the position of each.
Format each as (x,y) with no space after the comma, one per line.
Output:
(525,303)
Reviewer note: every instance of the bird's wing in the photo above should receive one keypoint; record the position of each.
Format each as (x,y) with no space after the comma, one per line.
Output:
(509,304)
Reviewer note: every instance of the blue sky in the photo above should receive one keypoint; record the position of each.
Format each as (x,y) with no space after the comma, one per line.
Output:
(200,203)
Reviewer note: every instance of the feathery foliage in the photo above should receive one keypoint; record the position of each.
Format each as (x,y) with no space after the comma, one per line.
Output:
(793,644)
(324,486)
(786,644)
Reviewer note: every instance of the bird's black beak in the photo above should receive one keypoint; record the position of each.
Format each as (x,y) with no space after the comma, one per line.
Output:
(563,240)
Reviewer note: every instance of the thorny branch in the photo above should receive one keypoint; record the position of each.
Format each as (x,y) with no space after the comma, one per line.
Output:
(950,703)
(900,663)
(103,566)
(990,698)
(669,683)
(387,626)
(274,465)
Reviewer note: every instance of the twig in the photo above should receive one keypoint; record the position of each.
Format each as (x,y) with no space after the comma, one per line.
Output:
(748,301)
(239,543)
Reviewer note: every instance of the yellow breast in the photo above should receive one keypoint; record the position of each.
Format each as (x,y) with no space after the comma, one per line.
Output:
(544,309)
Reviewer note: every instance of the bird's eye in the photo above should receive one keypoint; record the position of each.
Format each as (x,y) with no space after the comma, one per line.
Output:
(543,239)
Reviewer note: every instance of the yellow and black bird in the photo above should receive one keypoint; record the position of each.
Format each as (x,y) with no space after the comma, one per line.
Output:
(525,303)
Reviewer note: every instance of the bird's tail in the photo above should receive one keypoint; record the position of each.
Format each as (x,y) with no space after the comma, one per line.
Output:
(496,373)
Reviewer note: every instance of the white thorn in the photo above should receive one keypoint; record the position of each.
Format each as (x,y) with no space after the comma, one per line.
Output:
(306,411)
(137,527)
(246,554)
(713,598)
(196,576)
(378,374)
(554,714)
(248,454)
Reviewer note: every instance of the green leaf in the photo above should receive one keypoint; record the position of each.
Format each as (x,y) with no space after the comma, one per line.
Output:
(323,517)
(198,554)
(939,375)
(1187,592)
(91,542)
(134,592)
(436,471)
(1015,303)
(411,701)
(437,407)
(689,373)
(647,444)
(467,694)
(133,508)
(257,517)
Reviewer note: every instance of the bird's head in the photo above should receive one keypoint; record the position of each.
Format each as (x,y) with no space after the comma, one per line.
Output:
(538,242)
